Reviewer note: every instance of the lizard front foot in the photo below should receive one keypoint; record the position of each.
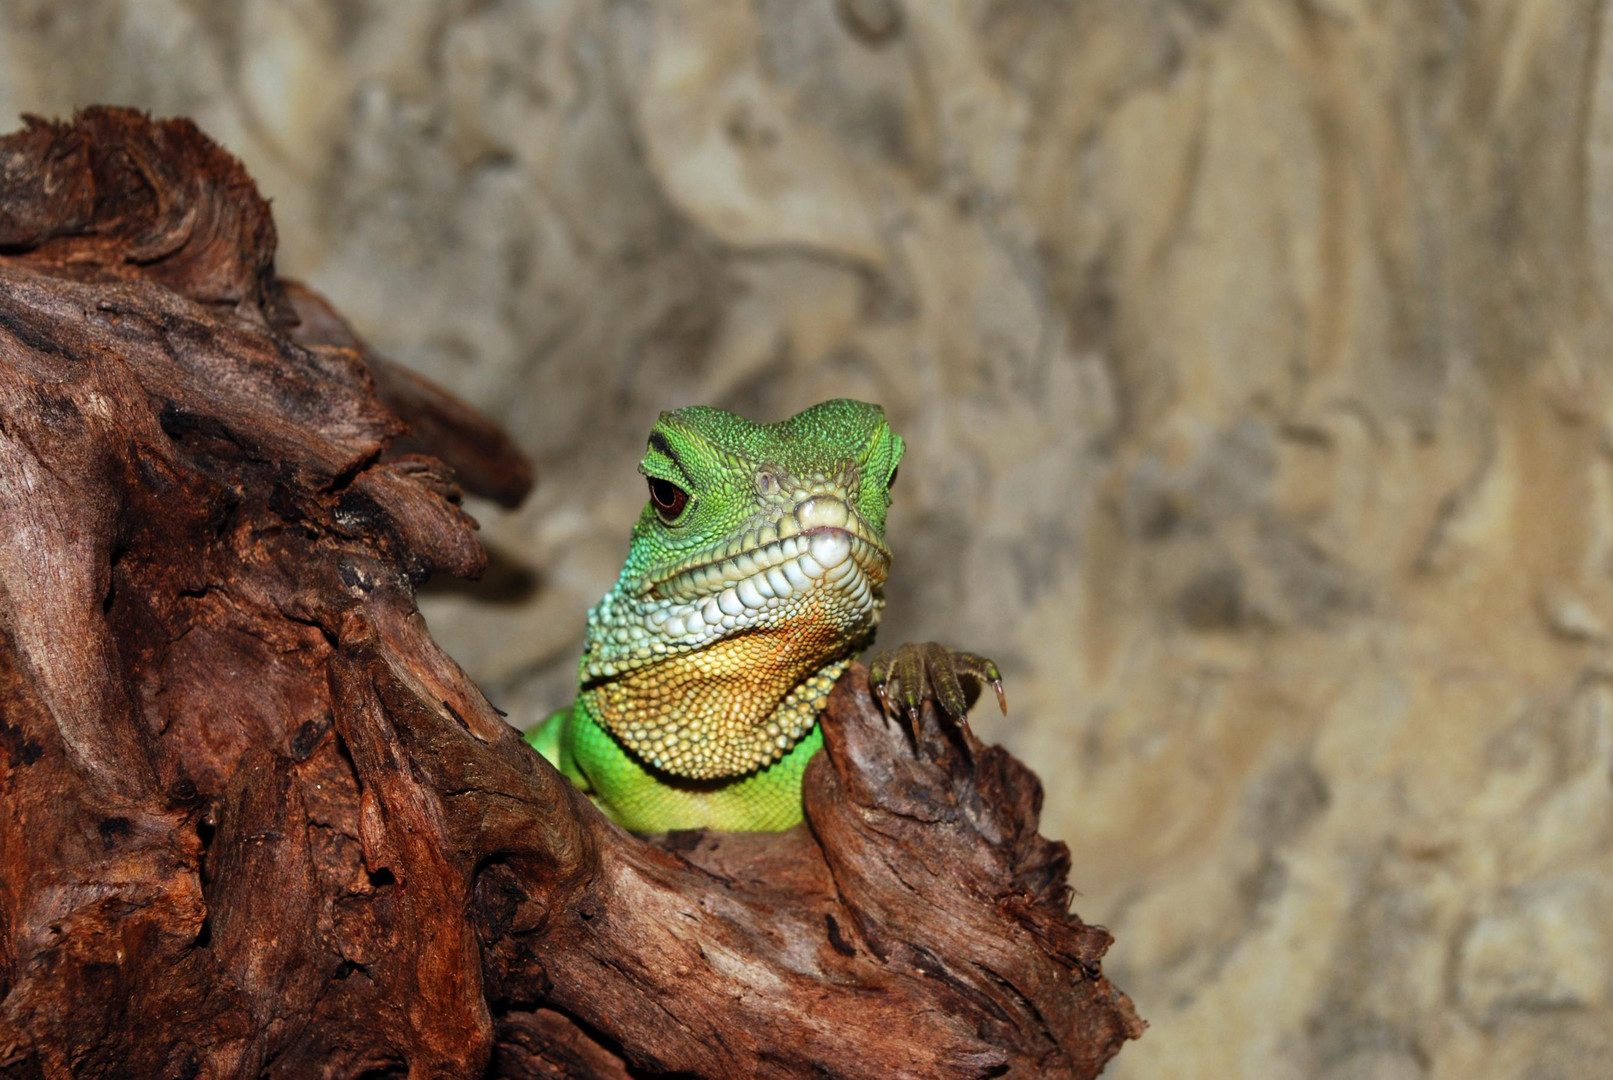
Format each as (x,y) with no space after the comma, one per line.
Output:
(905,676)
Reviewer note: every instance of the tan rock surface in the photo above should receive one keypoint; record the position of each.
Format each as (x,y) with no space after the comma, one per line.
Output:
(1253,360)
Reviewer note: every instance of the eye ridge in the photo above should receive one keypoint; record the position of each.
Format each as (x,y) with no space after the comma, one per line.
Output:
(668,499)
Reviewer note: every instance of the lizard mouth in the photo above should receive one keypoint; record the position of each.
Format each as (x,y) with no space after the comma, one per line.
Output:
(764,578)
(775,575)
(822,521)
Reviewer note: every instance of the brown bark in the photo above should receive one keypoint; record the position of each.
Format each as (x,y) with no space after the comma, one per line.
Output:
(257,823)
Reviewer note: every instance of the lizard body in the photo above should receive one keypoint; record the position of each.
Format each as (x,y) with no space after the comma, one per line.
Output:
(755,574)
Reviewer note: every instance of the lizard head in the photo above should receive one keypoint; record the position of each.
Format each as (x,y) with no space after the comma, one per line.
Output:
(749,527)
(762,550)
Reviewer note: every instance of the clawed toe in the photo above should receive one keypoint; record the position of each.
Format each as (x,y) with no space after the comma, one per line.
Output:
(905,677)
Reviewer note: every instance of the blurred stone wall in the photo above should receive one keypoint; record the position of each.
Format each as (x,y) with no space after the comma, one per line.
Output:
(1253,359)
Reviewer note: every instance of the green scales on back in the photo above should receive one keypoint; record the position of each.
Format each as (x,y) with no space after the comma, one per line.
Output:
(755,574)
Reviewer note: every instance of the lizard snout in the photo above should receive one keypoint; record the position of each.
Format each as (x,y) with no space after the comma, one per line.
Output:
(822,511)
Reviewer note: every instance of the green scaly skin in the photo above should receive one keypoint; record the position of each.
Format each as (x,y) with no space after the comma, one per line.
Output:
(640,798)
(755,574)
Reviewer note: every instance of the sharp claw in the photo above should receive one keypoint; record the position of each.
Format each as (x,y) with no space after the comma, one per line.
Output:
(912,674)
(885,702)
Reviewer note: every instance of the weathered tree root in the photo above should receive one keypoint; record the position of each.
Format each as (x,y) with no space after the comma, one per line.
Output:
(257,824)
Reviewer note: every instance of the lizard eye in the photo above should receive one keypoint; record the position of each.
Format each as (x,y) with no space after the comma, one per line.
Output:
(668,499)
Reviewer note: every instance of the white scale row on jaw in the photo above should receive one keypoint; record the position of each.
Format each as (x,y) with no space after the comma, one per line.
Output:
(709,578)
(827,557)
(770,544)
(672,627)
(712,578)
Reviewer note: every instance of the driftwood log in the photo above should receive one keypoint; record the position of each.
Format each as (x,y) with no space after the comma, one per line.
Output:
(256,823)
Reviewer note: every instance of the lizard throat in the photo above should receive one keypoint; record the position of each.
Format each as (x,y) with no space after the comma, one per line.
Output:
(709,717)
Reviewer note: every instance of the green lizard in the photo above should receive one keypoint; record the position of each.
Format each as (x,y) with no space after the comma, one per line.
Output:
(756,573)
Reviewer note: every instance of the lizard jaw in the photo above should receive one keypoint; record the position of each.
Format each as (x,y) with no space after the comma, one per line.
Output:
(772,542)
(826,574)
(828,564)
(826,559)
